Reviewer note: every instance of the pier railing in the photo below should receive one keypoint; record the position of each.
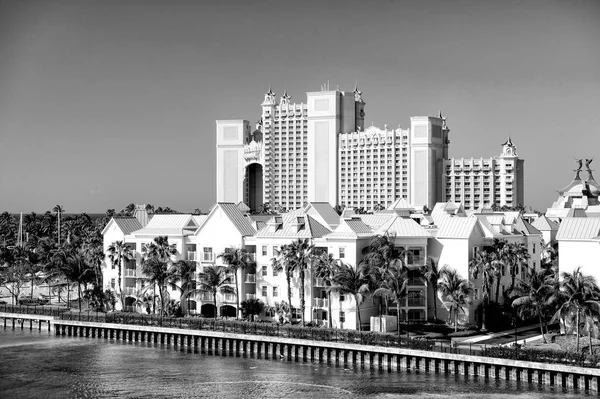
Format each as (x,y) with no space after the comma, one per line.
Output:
(39,310)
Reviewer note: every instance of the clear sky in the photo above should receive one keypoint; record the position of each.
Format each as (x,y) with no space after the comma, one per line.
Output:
(104,103)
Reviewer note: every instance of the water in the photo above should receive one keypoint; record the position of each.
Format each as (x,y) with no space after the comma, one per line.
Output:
(37,364)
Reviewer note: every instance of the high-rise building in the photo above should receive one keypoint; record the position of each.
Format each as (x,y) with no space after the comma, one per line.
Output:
(318,151)
(483,182)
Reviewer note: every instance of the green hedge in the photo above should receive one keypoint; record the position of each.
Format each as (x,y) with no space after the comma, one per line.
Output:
(544,356)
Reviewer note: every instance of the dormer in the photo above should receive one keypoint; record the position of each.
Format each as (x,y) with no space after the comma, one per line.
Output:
(298,223)
(275,223)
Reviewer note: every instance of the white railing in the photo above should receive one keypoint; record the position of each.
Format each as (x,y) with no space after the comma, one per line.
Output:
(321,302)
(130,273)
(208,257)
(129,290)
(207,296)
(251,278)
(192,255)
(319,282)
(229,298)
(250,296)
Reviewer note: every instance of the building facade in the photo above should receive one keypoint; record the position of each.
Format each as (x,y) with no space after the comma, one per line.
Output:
(319,151)
(483,182)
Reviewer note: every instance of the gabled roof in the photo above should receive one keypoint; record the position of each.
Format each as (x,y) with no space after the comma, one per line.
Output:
(402,227)
(457,227)
(526,228)
(323,211)
(126,224)
(351,228)
(199,219)
(400,203)
(487,228)
(375,221)
(293,226)
(576,213)
(578,229)
(168,224)
(242,224)
(544,224)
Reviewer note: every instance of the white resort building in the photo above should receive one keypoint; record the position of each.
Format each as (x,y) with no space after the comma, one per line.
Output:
(449,234)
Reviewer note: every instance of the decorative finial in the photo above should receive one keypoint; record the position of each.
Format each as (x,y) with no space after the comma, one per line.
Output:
(440,115)
(357,93)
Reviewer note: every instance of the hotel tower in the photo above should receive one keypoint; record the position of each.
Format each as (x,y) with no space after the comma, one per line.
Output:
(319,151)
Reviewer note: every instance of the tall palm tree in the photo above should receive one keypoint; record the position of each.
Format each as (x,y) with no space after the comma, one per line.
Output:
(58,209)
(377,256)
(580,293)
(215,279)
(431,272)
(484,264)
(157,259)
(302,254)
(350,281)
(533,295)
(181,277)
(326,267)
(95,256)
(118,252)
(283,262)
(236,259)
(456,292)
(78,270)
(394,285)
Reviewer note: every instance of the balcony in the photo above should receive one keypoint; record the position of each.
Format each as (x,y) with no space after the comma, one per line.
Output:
(129,290)
(321,302)
(250,296)
(207,297)
(192,255)
(250,278)
(130,273)
(319,282)
(416,302)
(229,298)
(416,281)
(208,257)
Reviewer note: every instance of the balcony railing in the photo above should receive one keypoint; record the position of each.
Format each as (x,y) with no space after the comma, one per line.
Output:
(207,296)
(129,290)
(192,255)
(208,257)
(250,296)
(251,278)
(229,298)
(319,282)
(416,301)
(321,302)
(416,281)
(130,273)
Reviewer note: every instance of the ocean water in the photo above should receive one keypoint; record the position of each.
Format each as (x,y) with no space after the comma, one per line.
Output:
(37,364)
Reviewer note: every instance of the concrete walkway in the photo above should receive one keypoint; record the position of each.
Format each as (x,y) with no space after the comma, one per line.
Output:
(488,336)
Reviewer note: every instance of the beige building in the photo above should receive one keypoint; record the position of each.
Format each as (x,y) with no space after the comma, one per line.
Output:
(483,182)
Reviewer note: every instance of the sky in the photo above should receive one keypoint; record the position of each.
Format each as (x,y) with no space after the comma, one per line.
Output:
(105,103)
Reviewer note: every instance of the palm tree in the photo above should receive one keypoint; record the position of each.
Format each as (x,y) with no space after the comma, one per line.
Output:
(591,317)
(181,277)
(156,271)
(580,293)
(215,279)
(58,210)
(301,253)
(236,259)
(350,281)
(252,307)
(282,262)
(484,263)
(157,257)
(118,252)
(78,270)
(394,285)
(326,267)
(431,272)
(377,257)
(533,295)
(456,292)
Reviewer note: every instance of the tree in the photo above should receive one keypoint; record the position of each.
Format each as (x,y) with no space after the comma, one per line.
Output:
(456,292)
(156,263)
(378,255)
(95,256)
(533,295)
(394,285)
(579,293)
(326,267)
(182,278)
(118,252)
(484,263)
(78,270)
(350,281)
(236,259)
(282,262)
(515,254)
(252,307)
(58,210)
(431,272)
(13,272)
(301,253)
(215,279)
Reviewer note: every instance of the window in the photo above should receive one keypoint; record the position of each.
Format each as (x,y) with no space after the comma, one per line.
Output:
(534,247)
(296,314)
(342,252)
(112,283)
(342,297)
(264,290)
(275,272)
(476,294)
(342,317)
(264,270)
(275,292)
(264,250)
(112,265)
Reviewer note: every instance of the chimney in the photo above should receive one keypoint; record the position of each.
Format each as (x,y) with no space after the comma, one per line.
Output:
(141,214)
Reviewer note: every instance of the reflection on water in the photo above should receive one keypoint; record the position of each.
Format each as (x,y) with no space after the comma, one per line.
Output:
(37,364)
